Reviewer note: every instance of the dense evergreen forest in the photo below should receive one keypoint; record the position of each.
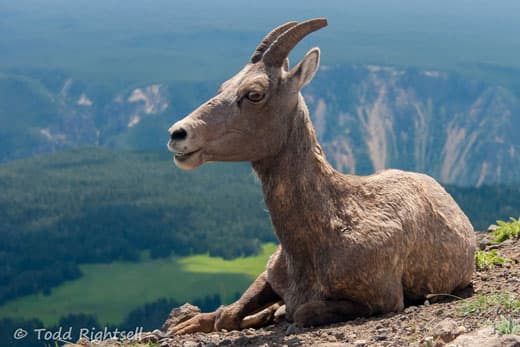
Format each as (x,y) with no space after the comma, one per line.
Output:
(487,204)
(98,206)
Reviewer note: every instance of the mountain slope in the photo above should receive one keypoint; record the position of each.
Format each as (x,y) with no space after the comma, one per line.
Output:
(373,117)
(368,118)
(43,111)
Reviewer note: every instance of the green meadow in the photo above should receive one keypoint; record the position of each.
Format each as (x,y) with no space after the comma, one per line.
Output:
(111,291)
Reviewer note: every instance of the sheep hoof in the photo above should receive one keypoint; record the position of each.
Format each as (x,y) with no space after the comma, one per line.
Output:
(261,318)
(279,315)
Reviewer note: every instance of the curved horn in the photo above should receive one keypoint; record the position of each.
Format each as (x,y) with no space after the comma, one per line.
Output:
(269,39)
(280,49)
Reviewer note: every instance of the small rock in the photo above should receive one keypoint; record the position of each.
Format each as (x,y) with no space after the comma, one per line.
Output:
(179,315)
(380,337)
(190,344)
(293,342)
(428,341)
(226,342)
(340,336)
(485,242)
(160,334)
(485,337)
(360,343)
(411,309)
(249,331)
(331,338)
(149,338)
(447,330)
(84,342)
(492,228)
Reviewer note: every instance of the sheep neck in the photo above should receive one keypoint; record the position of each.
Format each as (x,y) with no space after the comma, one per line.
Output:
(301,189)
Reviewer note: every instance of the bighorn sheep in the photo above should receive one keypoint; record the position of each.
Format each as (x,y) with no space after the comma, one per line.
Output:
(350,245)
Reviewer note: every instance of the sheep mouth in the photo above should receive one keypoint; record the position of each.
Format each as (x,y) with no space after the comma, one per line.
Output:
(183,156)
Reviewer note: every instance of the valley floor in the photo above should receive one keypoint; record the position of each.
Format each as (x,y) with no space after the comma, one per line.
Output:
(99,291)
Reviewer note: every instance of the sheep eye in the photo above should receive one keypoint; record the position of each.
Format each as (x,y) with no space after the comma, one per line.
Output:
(254,96)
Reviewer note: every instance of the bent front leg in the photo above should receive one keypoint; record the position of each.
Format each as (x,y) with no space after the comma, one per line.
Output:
(257,297)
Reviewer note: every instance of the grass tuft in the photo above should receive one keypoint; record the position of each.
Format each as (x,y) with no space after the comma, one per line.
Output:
(505,303)
(506,230)
(507,326)
(488,259)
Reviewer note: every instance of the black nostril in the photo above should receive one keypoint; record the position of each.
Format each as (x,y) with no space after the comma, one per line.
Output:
(179,134)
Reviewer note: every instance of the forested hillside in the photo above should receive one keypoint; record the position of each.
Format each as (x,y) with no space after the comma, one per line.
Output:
(98,206)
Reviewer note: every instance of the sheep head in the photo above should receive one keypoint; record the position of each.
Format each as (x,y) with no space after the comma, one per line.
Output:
(250,117)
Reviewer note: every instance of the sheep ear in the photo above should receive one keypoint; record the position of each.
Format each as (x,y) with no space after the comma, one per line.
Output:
(303,73)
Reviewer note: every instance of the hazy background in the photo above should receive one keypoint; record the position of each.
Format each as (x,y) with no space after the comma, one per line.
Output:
(121,42)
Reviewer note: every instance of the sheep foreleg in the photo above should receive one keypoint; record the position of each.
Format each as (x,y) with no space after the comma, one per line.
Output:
(257,297)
